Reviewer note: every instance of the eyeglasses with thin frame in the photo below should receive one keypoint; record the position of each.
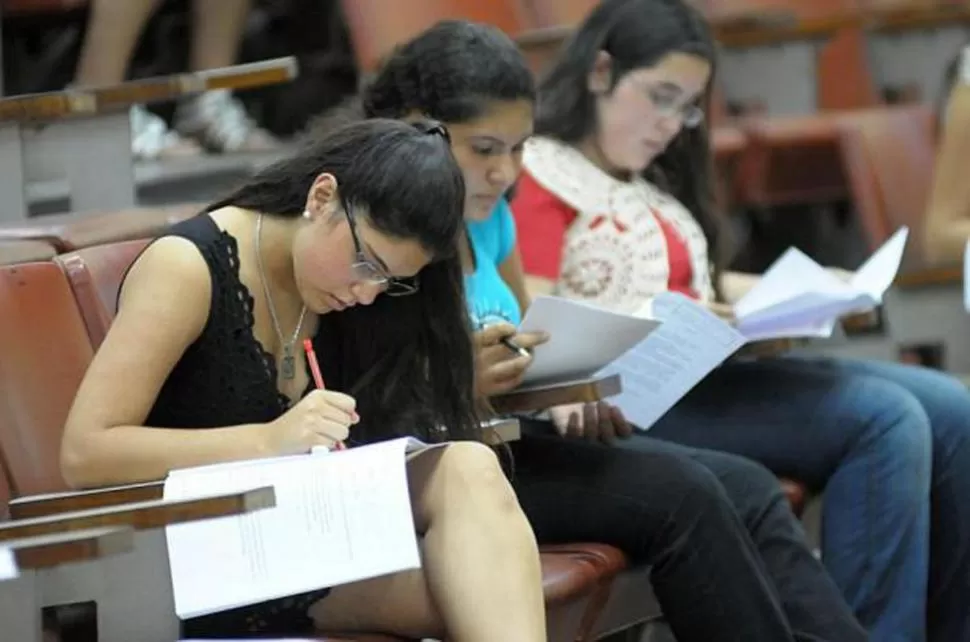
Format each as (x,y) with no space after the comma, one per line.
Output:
(369,271)
(690,115)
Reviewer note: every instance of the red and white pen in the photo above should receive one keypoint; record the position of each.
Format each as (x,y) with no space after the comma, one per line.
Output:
(311,358)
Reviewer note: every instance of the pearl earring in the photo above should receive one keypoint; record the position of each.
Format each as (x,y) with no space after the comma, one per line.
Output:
(306,214)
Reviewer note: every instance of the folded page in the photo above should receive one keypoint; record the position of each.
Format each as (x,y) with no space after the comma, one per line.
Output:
(797,297)
(338,518)
(674,358)
(583,338)
(878,273)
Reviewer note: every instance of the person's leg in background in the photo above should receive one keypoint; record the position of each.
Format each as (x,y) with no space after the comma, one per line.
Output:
(112,32)
(217,119)
(864,440)
(670,513)
(946,402)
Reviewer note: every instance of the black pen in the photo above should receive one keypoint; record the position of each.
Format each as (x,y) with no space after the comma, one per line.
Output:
(514,347)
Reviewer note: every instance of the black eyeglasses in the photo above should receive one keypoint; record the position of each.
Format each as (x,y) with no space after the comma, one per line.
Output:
(370,272)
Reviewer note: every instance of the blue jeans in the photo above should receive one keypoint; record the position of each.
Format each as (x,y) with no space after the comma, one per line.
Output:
(889,444)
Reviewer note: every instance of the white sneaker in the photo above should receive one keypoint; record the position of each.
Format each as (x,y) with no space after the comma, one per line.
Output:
(219,122)
(151,139)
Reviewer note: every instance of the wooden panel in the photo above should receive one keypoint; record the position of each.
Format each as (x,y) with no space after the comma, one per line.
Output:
(46,551)
(142,516)
(71,501)
(95,100)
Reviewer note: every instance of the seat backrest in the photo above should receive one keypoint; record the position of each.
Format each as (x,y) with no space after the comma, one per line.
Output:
(377,26)
(843,78)
(554,13)
(888,155)
(95,275)
(44,352)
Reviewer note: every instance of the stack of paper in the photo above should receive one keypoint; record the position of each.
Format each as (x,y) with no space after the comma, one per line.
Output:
(339,517)
(797,297)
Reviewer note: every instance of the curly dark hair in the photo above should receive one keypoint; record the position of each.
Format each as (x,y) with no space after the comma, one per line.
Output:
(449,73)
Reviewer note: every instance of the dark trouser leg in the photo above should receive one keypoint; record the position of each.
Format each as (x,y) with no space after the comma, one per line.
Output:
(665,511)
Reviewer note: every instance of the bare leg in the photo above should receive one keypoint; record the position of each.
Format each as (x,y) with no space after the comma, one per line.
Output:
(217,29)
(112,32)
(481,579)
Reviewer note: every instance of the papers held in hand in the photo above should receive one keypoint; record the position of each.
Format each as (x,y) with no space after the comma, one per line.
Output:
(797,297)
(583,338)
(339,517)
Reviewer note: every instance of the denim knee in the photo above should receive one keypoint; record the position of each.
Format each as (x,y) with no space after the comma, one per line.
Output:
(894,431)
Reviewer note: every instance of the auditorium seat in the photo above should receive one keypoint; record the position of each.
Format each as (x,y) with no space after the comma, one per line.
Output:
(45,352)
(888,154)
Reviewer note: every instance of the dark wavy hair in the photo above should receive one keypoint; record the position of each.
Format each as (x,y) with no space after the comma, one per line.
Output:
(401,357)
(637,34)
(449,72)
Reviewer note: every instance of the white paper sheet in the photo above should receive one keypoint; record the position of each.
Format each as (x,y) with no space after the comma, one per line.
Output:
(797,297)
(674,358)
(583,338)
(339,517)
(8,565)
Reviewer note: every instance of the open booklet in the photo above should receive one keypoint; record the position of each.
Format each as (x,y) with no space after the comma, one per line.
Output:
(659,360)
(797,297)
(339,517)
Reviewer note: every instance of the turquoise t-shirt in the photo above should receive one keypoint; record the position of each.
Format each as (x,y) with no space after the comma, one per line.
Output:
(490,300)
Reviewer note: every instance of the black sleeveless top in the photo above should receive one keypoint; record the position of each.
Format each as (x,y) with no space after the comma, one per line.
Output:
(225,378)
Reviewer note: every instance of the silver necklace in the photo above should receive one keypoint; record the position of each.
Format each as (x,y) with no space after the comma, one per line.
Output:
(287,366)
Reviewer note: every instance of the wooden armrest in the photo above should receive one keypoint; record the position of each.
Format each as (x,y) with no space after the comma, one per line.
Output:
(91,101)
(142,515)
(45,551)
(12,252)
(31,506)
(536,398)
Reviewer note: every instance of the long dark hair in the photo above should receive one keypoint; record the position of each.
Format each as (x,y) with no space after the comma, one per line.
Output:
(637,34)
(401,357)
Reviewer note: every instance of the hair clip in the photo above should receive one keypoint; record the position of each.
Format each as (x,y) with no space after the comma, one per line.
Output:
(433,129)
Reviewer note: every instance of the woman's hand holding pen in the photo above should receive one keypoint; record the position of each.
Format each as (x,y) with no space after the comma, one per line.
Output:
(502,357)
(322,418)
